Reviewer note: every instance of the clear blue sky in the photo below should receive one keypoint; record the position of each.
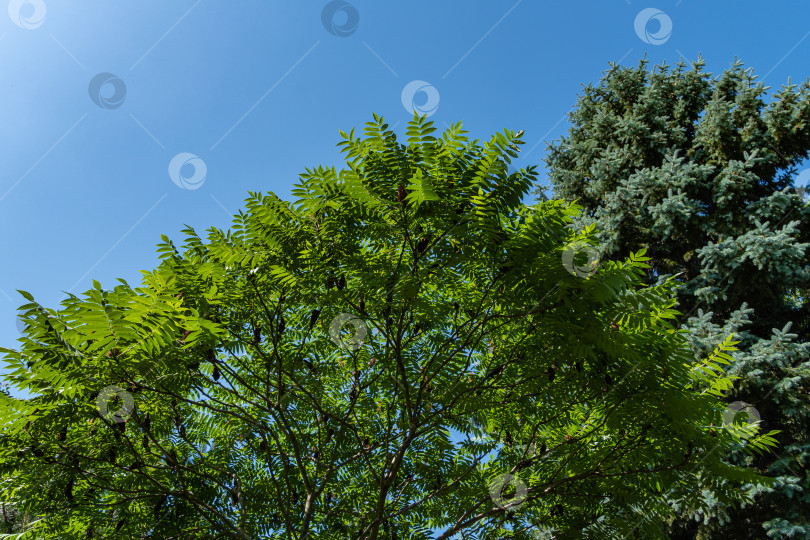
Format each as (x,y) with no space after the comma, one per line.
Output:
(259,89)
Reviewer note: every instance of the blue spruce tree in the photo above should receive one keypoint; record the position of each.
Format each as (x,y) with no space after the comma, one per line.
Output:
(700,170)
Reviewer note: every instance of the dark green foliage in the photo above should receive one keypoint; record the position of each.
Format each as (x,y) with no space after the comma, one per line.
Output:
(698,170)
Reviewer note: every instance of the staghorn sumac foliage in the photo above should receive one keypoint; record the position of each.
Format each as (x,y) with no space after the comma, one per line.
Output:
(386,404)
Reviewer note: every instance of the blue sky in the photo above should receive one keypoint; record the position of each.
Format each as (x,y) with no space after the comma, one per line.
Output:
(258,91)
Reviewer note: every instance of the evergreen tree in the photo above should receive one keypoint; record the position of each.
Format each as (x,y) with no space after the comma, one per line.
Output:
(699,170)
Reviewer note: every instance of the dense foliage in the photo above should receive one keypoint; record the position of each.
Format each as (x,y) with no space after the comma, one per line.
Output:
(699,170)
(406,351)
